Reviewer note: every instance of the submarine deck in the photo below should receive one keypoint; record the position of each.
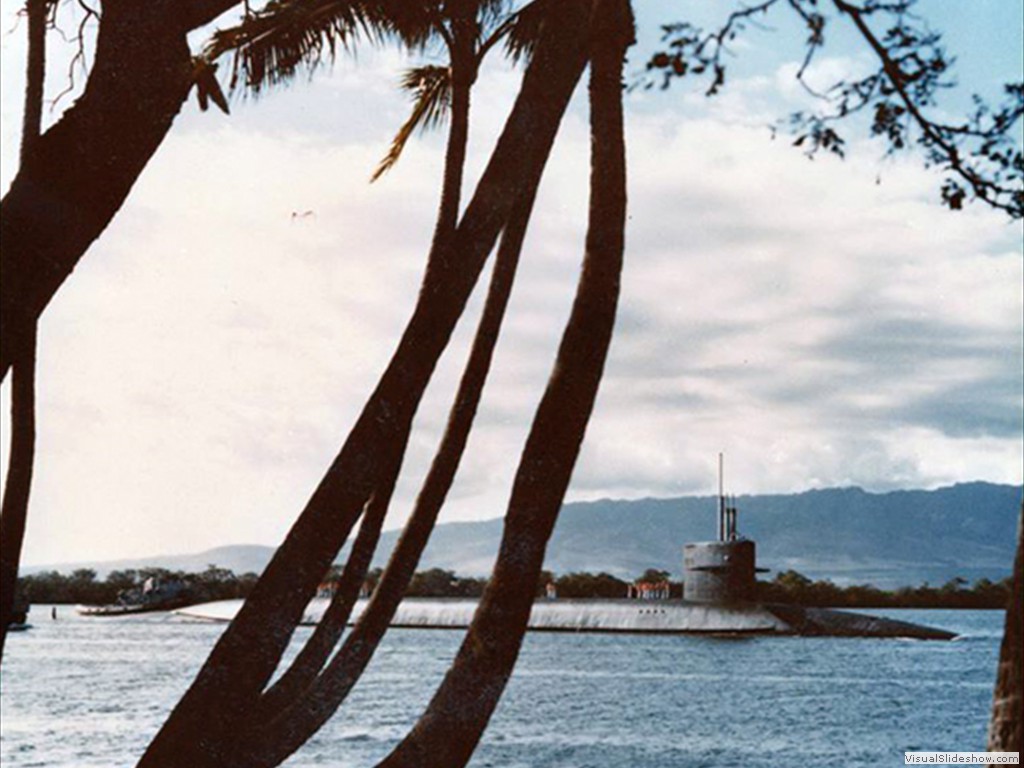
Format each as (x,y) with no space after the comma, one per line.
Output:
(636,616)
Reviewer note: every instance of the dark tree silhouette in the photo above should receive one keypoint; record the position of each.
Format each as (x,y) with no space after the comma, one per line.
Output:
(449,730)
(71,181)
(246,655)
(21,459)
(270,47)
(276,734)
(19,478)
(1006,726)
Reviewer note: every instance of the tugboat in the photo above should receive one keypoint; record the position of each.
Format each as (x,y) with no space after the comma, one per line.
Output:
(153,595)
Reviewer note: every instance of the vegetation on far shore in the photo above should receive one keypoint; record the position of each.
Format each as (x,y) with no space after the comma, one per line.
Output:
(83,586)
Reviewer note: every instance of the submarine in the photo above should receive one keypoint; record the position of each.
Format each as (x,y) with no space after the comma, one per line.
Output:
(719,598)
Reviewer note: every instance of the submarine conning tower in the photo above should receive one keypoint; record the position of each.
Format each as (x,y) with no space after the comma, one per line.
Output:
(720,571)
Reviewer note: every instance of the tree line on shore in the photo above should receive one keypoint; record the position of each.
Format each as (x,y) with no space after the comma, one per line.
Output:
(83,586)
(793,587)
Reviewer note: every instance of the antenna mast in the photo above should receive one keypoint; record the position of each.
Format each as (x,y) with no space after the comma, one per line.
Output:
(721,497)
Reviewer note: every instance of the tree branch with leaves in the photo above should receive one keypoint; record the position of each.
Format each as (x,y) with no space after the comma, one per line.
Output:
(980,154)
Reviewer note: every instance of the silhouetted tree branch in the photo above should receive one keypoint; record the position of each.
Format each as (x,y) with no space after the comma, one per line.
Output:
(979,154)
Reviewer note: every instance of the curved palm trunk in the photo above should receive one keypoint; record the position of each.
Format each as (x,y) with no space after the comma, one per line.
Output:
(317,650)
(14,512)
(67,192)
(247,653)
(1006,731)
(270,742)
(314,654)
(463,73)
(19,478)
(449,730)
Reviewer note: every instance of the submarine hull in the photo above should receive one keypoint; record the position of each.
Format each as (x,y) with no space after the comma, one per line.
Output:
(637,616)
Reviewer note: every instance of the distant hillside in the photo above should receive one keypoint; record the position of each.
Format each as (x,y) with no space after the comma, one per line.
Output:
(847,535)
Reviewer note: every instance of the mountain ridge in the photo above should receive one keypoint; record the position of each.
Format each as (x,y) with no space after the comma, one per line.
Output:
(889,539)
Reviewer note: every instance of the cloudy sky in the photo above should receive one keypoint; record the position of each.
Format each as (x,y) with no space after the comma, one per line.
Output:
(823,323)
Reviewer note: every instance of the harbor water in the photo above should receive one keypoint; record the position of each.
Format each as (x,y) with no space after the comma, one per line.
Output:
(83,692)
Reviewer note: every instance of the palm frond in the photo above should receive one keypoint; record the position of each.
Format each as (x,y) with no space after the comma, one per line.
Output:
(271,45)
(414,24)
(524,29)
(204,77)
(431,88)
(491,14)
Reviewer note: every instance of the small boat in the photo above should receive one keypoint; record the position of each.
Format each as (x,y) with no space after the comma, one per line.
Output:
(122,609)
(152,596)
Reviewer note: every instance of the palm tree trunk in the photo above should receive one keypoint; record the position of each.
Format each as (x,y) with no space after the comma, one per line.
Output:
(1006,732)
(66,193)
(14,512)
(463,73)
(449,730)
(19,478)
(35,76)
(318,648)
(267,744)
(249,650)
(314,654)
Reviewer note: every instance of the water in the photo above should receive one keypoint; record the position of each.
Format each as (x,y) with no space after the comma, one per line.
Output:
(92,692)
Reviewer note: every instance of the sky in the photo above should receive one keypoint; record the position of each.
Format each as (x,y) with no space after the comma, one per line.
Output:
(822,323)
